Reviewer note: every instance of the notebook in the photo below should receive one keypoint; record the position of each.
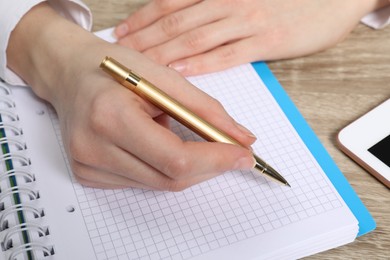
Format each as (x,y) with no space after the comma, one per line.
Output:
(46,214)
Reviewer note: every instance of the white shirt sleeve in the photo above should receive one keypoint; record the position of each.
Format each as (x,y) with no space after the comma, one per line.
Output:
(11,12)
(378,19)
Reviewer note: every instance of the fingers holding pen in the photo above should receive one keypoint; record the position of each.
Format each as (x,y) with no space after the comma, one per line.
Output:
(168,166)
(107,179)
(134,147)
(155,156)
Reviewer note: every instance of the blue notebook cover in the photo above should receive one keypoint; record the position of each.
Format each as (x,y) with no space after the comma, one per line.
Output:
(366,221)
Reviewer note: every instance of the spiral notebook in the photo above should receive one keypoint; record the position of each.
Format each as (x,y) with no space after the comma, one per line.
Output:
(46,214)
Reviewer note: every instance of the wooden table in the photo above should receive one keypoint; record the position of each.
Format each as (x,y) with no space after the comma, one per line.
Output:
(331,89)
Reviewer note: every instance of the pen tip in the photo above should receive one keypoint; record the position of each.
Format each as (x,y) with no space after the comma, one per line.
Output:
(270,172)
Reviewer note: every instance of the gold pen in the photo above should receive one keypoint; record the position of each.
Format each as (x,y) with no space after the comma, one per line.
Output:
(176,110)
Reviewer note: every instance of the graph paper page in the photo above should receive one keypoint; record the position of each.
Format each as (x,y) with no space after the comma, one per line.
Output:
(229,216)
(238,215)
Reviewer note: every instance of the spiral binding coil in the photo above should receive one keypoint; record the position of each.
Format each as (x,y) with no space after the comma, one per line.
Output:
(31,247)
(4,87)
(27,176)
(7,240)
(12,141)
(5,100)
(16,199)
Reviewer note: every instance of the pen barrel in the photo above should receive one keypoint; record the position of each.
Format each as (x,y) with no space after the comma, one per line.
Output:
(182,114)
(163,101)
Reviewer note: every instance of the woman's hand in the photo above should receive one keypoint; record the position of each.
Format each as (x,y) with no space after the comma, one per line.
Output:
(196,37)
(113,137)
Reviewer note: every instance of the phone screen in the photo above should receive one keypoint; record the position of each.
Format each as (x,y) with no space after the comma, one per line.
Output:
(381,150)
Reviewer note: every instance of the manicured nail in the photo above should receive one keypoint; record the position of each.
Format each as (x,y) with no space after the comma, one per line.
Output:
(179,66)
(246,131)
(122,29)
(245,163)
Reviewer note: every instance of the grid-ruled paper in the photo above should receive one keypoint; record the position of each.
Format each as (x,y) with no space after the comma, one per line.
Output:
(226,210)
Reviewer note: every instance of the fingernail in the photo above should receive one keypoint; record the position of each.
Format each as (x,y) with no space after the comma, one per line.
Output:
(245,163)
(122,29)
(246,131)
(179,66)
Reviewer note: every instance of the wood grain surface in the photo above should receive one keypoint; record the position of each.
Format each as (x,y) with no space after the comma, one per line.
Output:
(331,89)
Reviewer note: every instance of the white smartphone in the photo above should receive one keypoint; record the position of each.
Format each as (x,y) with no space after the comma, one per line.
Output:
(367,141)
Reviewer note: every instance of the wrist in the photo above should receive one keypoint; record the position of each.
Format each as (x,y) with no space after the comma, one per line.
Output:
(44,48)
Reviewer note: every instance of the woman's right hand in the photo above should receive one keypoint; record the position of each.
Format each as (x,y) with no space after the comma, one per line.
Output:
(114,138)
